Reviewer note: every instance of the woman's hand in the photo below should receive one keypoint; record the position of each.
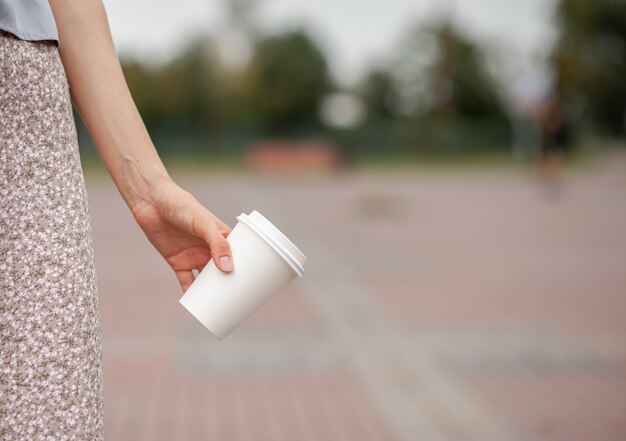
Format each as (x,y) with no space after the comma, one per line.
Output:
(185,233)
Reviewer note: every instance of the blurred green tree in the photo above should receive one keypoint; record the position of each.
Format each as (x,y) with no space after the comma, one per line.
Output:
(435,97)
(194,75)
(182,94)
(590,60)
(142,83)
(378,92)
(289,76)
(440,72)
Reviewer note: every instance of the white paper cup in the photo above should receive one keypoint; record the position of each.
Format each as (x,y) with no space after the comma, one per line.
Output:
(264,262)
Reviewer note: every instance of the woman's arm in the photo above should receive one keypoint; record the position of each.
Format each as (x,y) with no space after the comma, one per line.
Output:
(185,232)
(102,99)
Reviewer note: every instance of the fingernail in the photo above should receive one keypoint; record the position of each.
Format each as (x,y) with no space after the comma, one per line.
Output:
(226,263)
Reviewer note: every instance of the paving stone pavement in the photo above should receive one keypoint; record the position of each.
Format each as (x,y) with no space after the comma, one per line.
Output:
(447,305)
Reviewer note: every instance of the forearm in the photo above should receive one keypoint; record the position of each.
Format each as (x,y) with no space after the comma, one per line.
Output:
(103,101)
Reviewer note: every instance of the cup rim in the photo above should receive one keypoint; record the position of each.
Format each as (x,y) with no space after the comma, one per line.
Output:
(276,239)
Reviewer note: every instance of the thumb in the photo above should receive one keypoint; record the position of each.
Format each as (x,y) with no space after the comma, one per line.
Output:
(220,251)
(204,225)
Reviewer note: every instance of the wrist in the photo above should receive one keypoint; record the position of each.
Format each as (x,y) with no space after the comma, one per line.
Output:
(143,183)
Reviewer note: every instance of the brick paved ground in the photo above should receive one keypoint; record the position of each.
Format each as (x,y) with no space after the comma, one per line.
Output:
(436,305)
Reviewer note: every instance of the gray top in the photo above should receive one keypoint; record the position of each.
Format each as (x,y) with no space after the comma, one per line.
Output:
(28,19)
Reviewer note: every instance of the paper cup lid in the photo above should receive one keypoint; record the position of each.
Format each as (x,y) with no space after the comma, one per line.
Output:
(275,239)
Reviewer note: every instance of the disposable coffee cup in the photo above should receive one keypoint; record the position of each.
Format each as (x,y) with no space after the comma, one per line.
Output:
(264,262)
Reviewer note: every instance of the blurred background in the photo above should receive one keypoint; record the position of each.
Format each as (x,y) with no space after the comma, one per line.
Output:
(454,172)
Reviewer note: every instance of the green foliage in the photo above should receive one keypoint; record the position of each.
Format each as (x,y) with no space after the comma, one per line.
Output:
(439,72)
(182,95)
(378,91)
(142,83)
(279,91)
(289,77)
(194,105)
(458,74)
(194,73)
(590,59)
(436,98)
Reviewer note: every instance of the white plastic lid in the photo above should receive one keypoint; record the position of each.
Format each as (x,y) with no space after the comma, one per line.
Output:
(277,240)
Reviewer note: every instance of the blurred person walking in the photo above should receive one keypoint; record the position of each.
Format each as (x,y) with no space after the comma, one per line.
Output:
(554,144)
(53,54)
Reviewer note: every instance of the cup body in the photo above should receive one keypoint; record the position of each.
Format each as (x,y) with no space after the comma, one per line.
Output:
(221,301)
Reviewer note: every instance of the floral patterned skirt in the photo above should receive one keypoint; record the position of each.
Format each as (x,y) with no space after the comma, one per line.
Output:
(50,348)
